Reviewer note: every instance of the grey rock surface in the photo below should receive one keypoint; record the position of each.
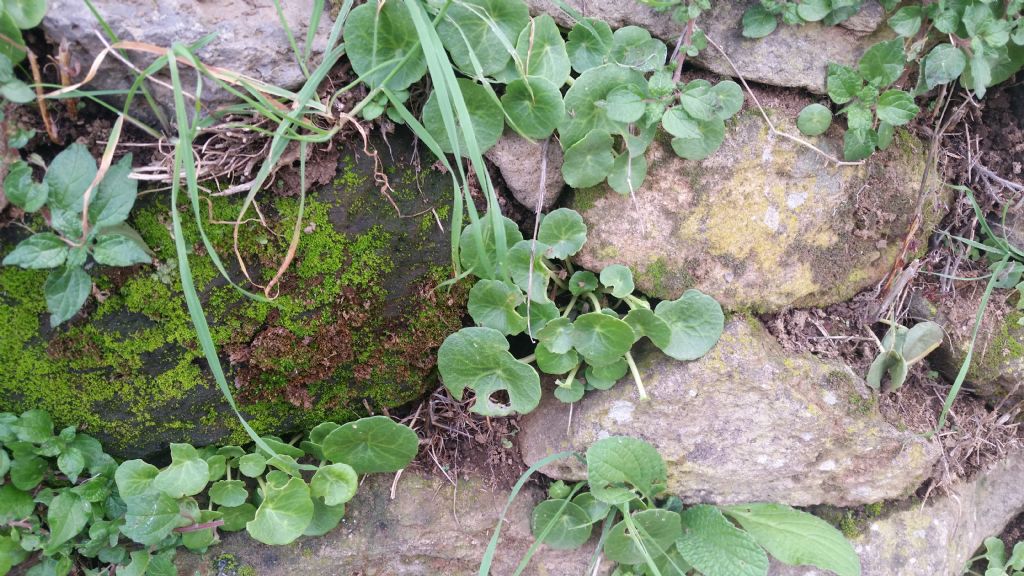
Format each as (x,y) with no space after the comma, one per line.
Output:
(792,56)
(763,223)
(520,162)
(748,422)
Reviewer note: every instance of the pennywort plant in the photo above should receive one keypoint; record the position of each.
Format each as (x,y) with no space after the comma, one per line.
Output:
(15,16)
(68,507)
(762,18)
(86,219)
(584,324)
(648,532)
(996,562)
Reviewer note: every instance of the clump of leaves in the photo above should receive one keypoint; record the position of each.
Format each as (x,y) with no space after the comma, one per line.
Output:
(762,19)
(621,89)
(648,534)
(900,348)
(86,219)
(13,89)
(584,324)
(66,506)
(996,563)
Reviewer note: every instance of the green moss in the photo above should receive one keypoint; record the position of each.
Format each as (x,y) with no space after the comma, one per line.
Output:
(584,199)
(848,526)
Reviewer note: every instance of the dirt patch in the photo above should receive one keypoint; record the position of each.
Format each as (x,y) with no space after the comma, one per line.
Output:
(1001,132)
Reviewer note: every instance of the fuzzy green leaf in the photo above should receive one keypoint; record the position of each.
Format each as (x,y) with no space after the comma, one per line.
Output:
(882,64)
(906,21)
(25,13)
(554,363)
(657,531)
(39,251)
(69,175)
(620,468)
(119,250)
(843,83)
(151,517)
(858,144)
(943,64)
(896,107)
(21,190)
(717,548)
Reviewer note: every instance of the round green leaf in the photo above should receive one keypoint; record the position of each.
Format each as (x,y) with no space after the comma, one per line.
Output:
(21,190)
(9,29)
(657,531)
(553,363)
(726,99)
(482,263)
(229,493)
(717,548)
(605,377)
(25,13)
(492,303)
(571,393)
(187,474)
(814,10)
(486,29)
(677,122)
(758,22)
(644,322)
(564,232)
(712,135)
(320,431)
(906,21)
(814,120)
(374,444)
(588,162)
(252,465)
(896,107)
(135,478)
(325,518)
(478,358)
(283,515)
(943,64)
(625,104)
(542,51)
(581,282)
(585,103)
(620,468)
(590,42)
(533,282)
(633,47)
(628,173)
(151,517)
(594,508)
(335,483)
(66,289)
(200,540)
(236,517)
(485,113)
(696,321)
(601,339)
(568,526)
(534,107)
(557,334)
(377,38)
(797,538)
(619,279)
(539,314)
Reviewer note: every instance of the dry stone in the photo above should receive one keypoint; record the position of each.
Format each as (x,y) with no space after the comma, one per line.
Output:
(938,539)
(763,223)
(748,422)
(427,529)
(792,56)
(520,162)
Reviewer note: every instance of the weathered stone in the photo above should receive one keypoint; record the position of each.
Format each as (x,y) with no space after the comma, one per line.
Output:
(763,223)
(747,422)
(428,529)
(868,19)
(250,39)
(997,364)
(792,56)
(938,538)
(520,162)
(356,319)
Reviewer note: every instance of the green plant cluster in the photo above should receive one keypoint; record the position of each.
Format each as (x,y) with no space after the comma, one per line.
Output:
(68,507)
(649,534)
(103,234)
(996,563)
(763,18)
(620,90)
(900,348)
(15,16)
(1005,261)
(584,324)
(13,89)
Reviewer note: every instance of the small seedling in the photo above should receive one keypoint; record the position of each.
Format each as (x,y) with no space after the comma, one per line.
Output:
(996,563)
(899,349)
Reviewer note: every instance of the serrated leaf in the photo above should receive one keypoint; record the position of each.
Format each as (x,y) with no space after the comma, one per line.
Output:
(564,232)
(534,106)
(896,107)
(696,322)
(485,112)
(469,25)
(493,303)
(797,538)
(68,177)
(39,251)
(814,120)
(943,64)
(590,43)
(21,190)
(620,468)
(657,531)
(119,250)
(115,195)
(568,526)
(882,64)
(374,444)
(186,475)
(335,483)
(283,515)
(717,548)
(843,83)
(478,358)
(588,162)
(377,37)
(858,144)
(66,289)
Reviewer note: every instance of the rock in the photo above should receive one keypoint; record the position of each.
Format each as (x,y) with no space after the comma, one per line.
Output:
(250,39)
(748,422)
(996,373)
(868,19)
(939,538)
(763,223)
(357,320)
(520,161)
(426,530)
(792,56)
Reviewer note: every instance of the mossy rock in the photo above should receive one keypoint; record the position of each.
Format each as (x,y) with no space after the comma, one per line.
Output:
(355,324)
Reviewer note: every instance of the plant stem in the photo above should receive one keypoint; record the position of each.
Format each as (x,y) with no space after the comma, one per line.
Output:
(684,42)
(567,383)
(568,307)
(636,376)
(528,359)
(593,300)
(203,526)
